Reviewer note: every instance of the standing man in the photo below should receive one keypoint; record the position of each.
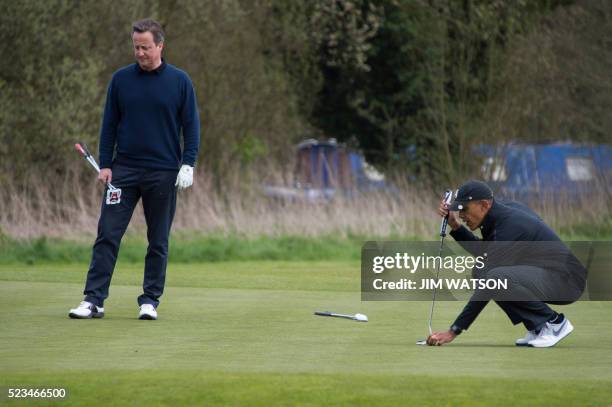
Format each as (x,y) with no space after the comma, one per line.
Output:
(148,105)
(538,273)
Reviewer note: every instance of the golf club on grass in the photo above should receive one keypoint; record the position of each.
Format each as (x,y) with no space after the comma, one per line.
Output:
(356,317)
(448,197)
(113,195)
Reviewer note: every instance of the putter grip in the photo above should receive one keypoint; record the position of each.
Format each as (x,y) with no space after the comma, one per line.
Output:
(79,148)
(86,149)
(448,196)
(324,314)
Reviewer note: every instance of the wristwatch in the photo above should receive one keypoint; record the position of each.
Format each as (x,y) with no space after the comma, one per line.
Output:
(456,329)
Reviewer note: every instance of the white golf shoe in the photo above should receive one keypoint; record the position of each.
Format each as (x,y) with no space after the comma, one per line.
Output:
(531,335)
(147,311)
(551,334)
(86,310)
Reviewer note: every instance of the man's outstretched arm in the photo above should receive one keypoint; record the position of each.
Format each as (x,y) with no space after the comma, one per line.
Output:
(469,314)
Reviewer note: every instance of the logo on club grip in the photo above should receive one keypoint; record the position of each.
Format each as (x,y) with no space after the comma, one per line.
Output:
(113,196)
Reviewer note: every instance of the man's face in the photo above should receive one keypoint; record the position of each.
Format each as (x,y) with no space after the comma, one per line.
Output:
(147,53)
(473,213)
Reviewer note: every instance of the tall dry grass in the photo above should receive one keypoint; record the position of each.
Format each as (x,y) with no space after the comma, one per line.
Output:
(69,207)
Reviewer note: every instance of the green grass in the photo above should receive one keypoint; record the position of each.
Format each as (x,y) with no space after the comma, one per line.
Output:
(193,248)
(589,231)
(243,333)
(187,249)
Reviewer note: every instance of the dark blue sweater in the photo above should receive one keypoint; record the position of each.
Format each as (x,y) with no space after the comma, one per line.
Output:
(144,115)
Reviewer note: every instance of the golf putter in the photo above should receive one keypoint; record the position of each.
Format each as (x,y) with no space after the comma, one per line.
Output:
(356,317)
(113,194)
(448,197)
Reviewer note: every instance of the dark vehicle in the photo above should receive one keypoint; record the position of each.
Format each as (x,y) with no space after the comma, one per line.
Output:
(326,169)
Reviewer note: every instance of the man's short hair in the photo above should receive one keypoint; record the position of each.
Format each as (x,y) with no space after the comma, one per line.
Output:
(152,26)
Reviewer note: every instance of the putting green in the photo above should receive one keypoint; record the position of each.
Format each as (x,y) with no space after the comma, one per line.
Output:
(244,333)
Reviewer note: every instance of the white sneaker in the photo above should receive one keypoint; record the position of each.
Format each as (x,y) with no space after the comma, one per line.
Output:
(86,310)
(552,333)
(531,335)
(147,311)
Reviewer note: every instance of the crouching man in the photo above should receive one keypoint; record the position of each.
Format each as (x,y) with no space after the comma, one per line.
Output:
(539,273)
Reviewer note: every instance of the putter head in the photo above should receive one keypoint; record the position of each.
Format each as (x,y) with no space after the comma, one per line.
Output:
(361,317)
(421,342)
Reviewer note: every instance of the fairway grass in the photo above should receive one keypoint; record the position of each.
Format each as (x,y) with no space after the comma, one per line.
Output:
(244,333)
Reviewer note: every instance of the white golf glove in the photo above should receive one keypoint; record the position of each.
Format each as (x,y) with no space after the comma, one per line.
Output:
(185,177)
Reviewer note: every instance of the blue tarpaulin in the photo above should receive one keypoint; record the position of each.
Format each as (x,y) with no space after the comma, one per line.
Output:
(531,170)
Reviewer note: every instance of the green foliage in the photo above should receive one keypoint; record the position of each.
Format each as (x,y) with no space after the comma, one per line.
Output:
(188,250)
(50,90)
(58,57)
(430,77)
(589,231)
(564,91)
(433,65)
(250,148)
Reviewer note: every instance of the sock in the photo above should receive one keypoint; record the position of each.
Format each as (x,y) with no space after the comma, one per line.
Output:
(557,319)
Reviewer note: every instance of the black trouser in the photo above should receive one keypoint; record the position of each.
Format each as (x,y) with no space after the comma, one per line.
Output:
(530,290)
(159,202)
(533,314)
